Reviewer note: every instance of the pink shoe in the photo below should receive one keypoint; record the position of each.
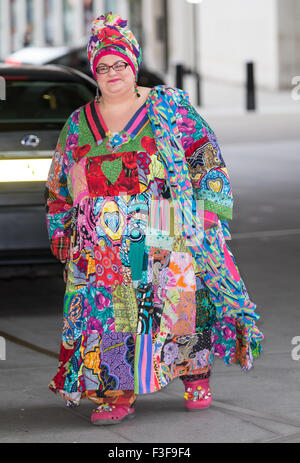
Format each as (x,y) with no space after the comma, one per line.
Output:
(111,414)
(197,394)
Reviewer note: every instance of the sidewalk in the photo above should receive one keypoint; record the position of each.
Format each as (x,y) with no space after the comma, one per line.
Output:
(226,98)
(276,117)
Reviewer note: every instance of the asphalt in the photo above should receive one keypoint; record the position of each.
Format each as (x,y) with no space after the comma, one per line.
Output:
(262,152)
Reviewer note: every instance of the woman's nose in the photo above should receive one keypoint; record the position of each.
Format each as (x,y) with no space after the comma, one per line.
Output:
(112,69)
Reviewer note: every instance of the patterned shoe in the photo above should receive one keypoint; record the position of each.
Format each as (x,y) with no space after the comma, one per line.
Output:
(107,414)
(197,394)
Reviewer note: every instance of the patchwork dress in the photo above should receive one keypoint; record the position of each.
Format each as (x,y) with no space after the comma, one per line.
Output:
(140,219)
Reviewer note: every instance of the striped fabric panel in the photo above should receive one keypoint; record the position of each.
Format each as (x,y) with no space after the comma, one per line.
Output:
(137,122)
(143,365)
(93,118)
(159,216)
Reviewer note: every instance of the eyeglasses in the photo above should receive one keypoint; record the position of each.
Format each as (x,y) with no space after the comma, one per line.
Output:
(104,69)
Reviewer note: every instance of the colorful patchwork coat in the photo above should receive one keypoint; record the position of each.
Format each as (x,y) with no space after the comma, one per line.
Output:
(140,218)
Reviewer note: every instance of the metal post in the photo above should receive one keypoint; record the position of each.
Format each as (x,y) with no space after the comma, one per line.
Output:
(250,86)
(198,88)
(179,76)
(166,35)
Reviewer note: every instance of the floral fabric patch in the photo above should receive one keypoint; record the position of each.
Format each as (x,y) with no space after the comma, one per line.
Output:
(224,339)
(181,272)
(179,313)
(112,174)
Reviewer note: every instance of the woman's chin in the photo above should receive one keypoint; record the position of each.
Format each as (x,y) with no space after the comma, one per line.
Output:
(116,87)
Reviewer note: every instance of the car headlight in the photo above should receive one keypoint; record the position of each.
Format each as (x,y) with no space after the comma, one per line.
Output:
(24,170)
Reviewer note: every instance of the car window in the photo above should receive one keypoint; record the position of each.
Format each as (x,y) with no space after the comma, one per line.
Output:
(74,59)
(41,102)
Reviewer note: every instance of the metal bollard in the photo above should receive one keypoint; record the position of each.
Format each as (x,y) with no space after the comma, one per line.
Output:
(250,86)
(198,87)
(181,71)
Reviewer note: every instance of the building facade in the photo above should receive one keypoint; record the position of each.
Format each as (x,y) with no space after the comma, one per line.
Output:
(50,22)
(214,37)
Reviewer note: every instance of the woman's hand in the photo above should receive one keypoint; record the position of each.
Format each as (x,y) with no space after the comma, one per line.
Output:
(65,272)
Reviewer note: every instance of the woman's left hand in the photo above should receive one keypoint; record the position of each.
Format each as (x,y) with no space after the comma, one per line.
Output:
(65,272)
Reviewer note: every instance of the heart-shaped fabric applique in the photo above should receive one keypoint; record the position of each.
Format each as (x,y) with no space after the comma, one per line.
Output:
(215,185)
(112,220)
(112,169)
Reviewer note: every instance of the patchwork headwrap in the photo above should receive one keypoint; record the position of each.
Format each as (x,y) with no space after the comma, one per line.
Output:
(110,35)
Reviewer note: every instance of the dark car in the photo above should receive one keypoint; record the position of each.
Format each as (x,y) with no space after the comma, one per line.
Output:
(75,57)
(37,103)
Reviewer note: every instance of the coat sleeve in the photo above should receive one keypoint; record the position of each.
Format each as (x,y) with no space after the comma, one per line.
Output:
(206,165)
(58,199)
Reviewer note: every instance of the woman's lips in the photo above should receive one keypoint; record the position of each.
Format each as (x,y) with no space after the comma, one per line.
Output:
(114,80)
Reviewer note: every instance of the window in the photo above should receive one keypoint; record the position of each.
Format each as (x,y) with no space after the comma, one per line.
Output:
(30,104)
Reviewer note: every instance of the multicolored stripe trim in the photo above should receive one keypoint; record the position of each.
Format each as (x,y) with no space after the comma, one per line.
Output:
(137,122)
(98,126)
(93,118)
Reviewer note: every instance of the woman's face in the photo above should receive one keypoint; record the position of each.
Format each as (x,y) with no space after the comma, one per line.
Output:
(115,82)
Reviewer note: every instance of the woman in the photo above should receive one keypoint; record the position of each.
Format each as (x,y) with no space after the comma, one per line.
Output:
(138,199)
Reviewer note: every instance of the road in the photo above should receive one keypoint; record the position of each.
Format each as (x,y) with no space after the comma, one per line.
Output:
(262,405)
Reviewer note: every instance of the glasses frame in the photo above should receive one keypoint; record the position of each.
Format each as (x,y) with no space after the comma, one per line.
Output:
(113,67)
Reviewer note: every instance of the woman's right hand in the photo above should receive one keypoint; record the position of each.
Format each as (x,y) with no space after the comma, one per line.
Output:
(65,272)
